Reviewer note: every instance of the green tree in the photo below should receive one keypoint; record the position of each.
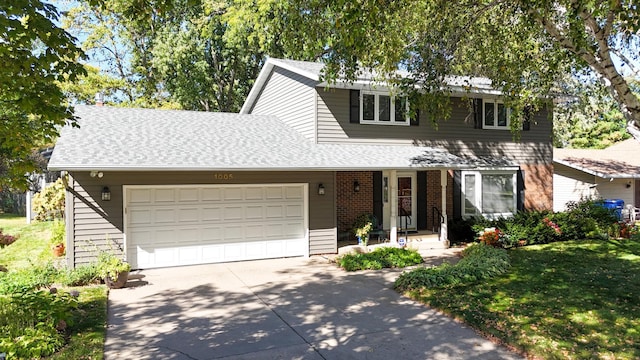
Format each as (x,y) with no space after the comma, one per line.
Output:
(168,53)
(201,68)
(523,46)
(589,118)
(35,55)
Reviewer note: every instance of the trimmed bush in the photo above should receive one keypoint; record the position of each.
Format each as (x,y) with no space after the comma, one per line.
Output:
(380,258)
(479,262)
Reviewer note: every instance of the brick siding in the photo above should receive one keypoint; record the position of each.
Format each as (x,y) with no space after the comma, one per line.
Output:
(350,204)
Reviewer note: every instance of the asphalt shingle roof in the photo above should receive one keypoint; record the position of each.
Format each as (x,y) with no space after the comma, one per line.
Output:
(617,161)
(146,139)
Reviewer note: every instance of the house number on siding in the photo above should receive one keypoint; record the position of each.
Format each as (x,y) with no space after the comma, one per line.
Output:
(221,176)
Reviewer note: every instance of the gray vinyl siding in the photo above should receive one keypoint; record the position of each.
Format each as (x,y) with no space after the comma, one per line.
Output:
(99,225)
(457,134)
(290,97)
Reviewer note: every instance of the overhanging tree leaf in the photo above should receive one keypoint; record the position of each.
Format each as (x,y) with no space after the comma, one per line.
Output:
(34,54)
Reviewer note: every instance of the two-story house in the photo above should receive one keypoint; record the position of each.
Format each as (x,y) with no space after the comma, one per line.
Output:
(291,172)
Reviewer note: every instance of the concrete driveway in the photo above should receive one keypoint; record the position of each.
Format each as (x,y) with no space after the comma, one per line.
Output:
(280,309)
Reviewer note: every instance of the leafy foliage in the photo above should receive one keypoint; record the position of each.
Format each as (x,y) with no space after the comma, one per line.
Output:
(479,262)
(48,204)
(35,54)
(33,323)
(382,257)
(522,46)
(173,54)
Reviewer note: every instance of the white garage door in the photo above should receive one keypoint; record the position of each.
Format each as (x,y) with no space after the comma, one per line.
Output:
(185,225)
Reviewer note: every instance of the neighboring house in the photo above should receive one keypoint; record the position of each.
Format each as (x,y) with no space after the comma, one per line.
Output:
(292,171)
(611,173)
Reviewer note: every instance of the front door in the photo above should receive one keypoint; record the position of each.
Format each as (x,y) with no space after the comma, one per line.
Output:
(407,201)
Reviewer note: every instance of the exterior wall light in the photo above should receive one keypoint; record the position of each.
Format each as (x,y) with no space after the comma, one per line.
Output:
(106,194)
(320,189)
(356,186)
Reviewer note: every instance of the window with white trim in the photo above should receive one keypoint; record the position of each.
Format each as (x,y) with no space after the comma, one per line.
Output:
(382,108)
(489,193)
(495,115)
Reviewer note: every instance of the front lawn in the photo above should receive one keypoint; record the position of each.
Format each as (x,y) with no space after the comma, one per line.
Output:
(564,300)
(32,246)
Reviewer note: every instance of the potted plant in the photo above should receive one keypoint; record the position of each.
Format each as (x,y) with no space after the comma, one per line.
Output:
(113,270)
(362,226)
(57,238)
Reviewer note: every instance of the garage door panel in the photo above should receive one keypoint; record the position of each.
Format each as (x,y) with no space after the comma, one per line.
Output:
(233,212)
(164,195)
(211,194)
(255,212)
(140,217)
(295,211)
(188,195)
(211,214)
(164,216)
(254,194)
(274,193)
(182,225)
(189,215)
(233,194)
(274,211)
(294,192)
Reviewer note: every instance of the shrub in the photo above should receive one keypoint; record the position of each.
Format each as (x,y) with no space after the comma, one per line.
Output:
(6,239)
(48,204)
(461,230)
(479,262)
(34,322)
(382,257)
(585,219)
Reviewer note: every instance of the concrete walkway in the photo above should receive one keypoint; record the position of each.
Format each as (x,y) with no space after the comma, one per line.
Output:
(281,309)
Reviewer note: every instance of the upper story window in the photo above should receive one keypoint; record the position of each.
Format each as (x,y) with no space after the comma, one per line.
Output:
(382,108)
(495,115)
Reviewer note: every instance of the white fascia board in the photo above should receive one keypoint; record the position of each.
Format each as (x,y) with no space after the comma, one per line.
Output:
(257,87)
(597,173)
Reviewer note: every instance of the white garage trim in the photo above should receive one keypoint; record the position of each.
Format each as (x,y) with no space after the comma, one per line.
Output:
(173,225)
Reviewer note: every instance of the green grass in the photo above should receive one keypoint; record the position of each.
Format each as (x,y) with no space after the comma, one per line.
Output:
(566,300)
(32,246)
(32,249)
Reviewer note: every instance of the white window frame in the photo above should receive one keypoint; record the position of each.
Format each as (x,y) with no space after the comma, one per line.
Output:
(376,120)
(478,174)
(495,125)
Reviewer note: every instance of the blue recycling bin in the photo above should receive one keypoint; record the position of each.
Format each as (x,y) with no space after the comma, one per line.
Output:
(616,205)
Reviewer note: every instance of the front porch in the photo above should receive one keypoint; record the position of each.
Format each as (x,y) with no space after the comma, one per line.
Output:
(419,240)
(416,201)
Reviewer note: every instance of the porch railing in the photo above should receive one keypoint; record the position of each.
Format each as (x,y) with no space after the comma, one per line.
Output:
(436,219)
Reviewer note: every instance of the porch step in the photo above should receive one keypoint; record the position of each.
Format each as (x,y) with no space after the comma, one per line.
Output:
(427,242)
